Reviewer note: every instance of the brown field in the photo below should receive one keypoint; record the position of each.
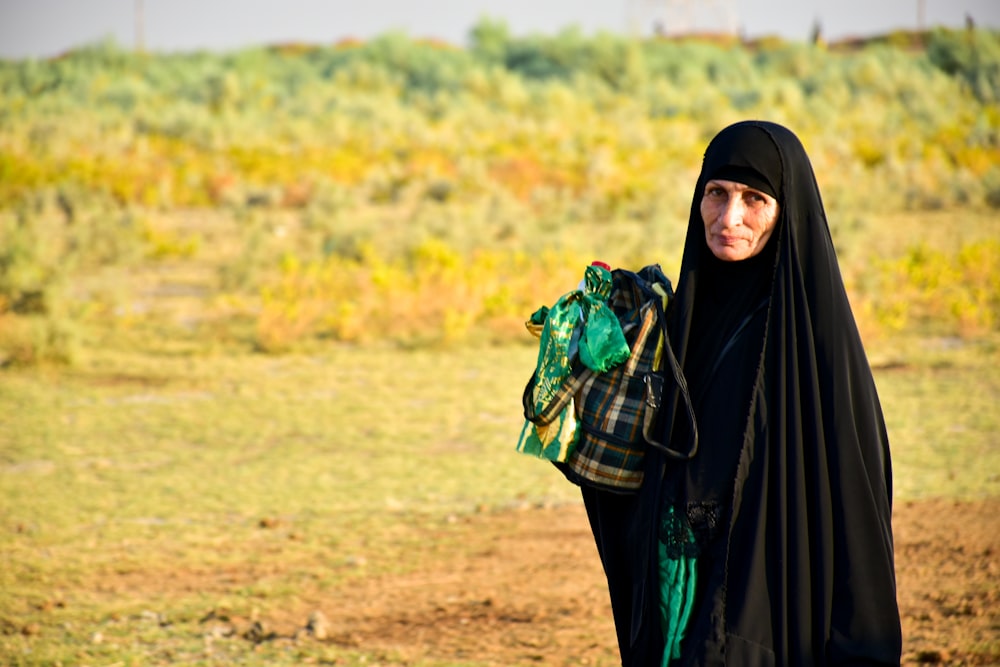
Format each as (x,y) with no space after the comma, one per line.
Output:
(524,587)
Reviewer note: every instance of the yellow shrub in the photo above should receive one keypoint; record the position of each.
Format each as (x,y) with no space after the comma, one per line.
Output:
(434,295)
(952,294)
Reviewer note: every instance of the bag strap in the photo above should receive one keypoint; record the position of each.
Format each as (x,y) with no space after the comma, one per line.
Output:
(685,393)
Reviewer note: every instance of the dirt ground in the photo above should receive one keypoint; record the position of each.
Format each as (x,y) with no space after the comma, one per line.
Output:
(531,591)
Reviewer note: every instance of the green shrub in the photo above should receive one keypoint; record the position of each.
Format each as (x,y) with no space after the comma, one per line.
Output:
(991,187)
(971,55)
(35,339)
(382,151)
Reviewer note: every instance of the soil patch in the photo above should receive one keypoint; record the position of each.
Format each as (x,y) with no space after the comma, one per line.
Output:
(532,591)
(525,587)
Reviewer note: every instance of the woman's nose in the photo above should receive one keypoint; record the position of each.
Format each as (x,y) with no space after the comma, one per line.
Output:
(732,213)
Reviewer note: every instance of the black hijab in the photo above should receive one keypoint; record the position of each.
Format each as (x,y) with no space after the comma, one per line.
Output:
(799,570)
(726,293)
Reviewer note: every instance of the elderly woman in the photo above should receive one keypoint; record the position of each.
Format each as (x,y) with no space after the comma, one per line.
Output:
(773,544)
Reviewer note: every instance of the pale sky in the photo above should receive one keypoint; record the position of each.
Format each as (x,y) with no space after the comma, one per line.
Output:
(42,28)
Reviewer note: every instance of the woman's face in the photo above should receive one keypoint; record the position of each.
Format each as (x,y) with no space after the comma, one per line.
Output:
(738,219)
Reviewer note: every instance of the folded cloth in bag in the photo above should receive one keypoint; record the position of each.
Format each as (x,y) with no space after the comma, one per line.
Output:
(578,329)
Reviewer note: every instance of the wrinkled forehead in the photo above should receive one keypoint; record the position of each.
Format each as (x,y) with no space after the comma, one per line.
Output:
(747,154)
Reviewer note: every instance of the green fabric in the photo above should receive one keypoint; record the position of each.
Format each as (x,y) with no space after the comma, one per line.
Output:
(555,441)
(580,324)
(678,578)
(539,316)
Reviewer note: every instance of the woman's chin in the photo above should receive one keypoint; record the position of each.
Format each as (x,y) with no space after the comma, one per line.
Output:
(729,253)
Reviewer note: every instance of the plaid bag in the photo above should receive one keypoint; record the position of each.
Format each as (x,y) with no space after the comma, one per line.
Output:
(617,411)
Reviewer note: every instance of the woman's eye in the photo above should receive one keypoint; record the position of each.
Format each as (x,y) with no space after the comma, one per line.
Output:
(755,197)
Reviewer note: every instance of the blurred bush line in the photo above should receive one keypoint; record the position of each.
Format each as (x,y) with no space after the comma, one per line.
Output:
(411,191)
